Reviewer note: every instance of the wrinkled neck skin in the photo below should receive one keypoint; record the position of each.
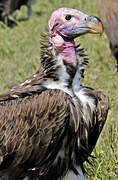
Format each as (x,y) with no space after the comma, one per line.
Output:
(65,48)
(70,54)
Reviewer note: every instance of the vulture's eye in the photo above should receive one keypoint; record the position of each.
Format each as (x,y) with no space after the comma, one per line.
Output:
(68,17)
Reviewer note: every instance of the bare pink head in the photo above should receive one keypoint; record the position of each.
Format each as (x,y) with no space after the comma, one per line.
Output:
(66,24)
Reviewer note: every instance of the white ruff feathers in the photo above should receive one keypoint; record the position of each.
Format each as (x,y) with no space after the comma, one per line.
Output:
(85,99)
(71,176)
(63,77)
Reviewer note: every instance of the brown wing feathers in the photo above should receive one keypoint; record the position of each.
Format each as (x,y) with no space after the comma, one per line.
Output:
(91,123)
(97,118)
(28,126)
(36,123)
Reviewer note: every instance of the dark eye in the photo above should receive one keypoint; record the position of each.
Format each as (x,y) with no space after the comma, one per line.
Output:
(68,17)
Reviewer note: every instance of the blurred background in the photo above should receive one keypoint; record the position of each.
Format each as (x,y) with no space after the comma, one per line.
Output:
(20,58)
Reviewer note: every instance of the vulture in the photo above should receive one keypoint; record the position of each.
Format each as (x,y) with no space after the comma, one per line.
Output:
(108,12)
(49,124)
(7,7)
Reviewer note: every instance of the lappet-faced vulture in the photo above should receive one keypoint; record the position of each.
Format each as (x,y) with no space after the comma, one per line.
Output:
(50,124)
(108,12)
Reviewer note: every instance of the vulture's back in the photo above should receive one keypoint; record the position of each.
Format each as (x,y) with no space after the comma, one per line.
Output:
(29,127)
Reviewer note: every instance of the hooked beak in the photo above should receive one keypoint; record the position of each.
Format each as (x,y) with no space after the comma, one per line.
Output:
(92,25)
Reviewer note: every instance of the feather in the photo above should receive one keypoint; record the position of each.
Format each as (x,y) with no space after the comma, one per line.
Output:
(45,122)
(95,109)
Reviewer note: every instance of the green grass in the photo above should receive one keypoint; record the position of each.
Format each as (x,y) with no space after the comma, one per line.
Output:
(20,57)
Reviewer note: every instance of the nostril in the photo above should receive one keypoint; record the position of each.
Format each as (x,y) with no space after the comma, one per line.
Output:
(85,18)
(92,18)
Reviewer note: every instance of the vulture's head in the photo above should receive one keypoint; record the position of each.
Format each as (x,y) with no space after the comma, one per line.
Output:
(65,25)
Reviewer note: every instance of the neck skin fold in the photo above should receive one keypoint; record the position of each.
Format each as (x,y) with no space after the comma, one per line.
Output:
(65,48)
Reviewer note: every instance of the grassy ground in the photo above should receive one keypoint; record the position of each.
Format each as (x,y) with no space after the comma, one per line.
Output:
(20,57)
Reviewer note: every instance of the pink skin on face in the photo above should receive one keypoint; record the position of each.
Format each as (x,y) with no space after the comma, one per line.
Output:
(60,28)
(65,48)
(62,46)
